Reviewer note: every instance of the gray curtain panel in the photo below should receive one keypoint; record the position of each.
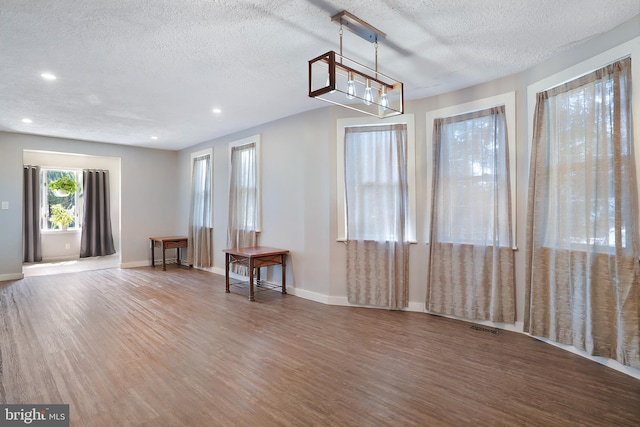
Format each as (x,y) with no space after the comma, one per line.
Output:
(97,237)
(31,241)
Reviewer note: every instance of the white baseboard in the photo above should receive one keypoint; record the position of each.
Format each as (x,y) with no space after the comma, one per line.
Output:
(312,296)
(12,276)
(601,360)
(61,258)
(134,264)
(515,327)
(342,301)
(147,263)
(217,270)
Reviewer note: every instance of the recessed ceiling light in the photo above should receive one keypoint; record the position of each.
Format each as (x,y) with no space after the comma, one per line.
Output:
(154,137)
(26,120)
(48,76)
(217,110)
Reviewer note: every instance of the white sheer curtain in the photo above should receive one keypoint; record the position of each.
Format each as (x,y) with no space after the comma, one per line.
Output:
(583,286)
(200,234)
(471,272)
(376,196)
(243,201)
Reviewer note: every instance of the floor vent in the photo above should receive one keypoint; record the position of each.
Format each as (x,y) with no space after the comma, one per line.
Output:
(487,330)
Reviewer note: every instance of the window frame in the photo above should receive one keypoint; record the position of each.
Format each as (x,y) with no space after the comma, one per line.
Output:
(341,124)
(257,140)
(507,99)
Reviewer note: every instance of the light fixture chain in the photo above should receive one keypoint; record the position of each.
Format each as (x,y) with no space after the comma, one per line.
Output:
(376,45)
(341,42)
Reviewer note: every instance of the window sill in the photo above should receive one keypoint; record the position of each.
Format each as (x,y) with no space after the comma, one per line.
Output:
(344,240)
(69,231)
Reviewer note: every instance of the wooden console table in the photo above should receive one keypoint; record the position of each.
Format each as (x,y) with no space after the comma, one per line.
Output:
(165,243)
(256,257)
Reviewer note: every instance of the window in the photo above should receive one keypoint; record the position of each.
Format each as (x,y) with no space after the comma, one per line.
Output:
(200,232)
(375,160)
(472,203)
(580,124)
(244,183)
(55,201)
(361,147)
(244,192)
(470,164)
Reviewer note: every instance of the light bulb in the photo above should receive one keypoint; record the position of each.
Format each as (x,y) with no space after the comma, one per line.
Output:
(329,83)
(351,87)
(368,95)
(384,101)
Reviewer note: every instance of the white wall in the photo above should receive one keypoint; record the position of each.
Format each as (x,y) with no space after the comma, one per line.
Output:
(148,195)
(299,183)
(295,207)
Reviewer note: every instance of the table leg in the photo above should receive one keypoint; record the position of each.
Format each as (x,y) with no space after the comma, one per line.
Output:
(153,259)
(164,261)
(178,255)
(251,295)
(284,273)
(258,276)
(226,272)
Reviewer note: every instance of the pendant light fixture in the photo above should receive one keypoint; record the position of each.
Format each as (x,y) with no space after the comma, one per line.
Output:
(339,80)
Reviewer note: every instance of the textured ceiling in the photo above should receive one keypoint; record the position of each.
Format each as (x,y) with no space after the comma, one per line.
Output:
(128,70)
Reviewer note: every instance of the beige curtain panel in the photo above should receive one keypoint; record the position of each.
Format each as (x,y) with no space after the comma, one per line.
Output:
(378,273)
(376,193)
(583,286)
(243,202)
(471,260)
(200,234)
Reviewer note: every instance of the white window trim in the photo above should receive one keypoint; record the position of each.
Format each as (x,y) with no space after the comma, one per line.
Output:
(407,119)
(509,101)
(209,152)
(630,48)
(257,139)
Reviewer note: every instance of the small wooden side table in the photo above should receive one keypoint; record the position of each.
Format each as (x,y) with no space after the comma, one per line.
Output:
(254,258)
(165,243)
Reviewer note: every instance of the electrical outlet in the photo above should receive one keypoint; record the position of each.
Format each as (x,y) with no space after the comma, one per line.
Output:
(5,205)
(67,245)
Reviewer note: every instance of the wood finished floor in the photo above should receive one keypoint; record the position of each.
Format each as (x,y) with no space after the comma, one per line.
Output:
(143,347)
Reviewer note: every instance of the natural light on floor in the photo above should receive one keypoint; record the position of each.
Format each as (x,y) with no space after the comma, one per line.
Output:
(70,266)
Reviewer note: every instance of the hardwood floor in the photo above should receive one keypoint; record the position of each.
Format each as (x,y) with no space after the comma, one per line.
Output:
(143,347)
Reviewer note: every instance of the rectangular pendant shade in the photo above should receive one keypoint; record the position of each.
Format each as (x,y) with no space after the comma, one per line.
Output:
(339,80)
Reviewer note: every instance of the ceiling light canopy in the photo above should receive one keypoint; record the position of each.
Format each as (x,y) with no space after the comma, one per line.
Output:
(48,76)
(339,80)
